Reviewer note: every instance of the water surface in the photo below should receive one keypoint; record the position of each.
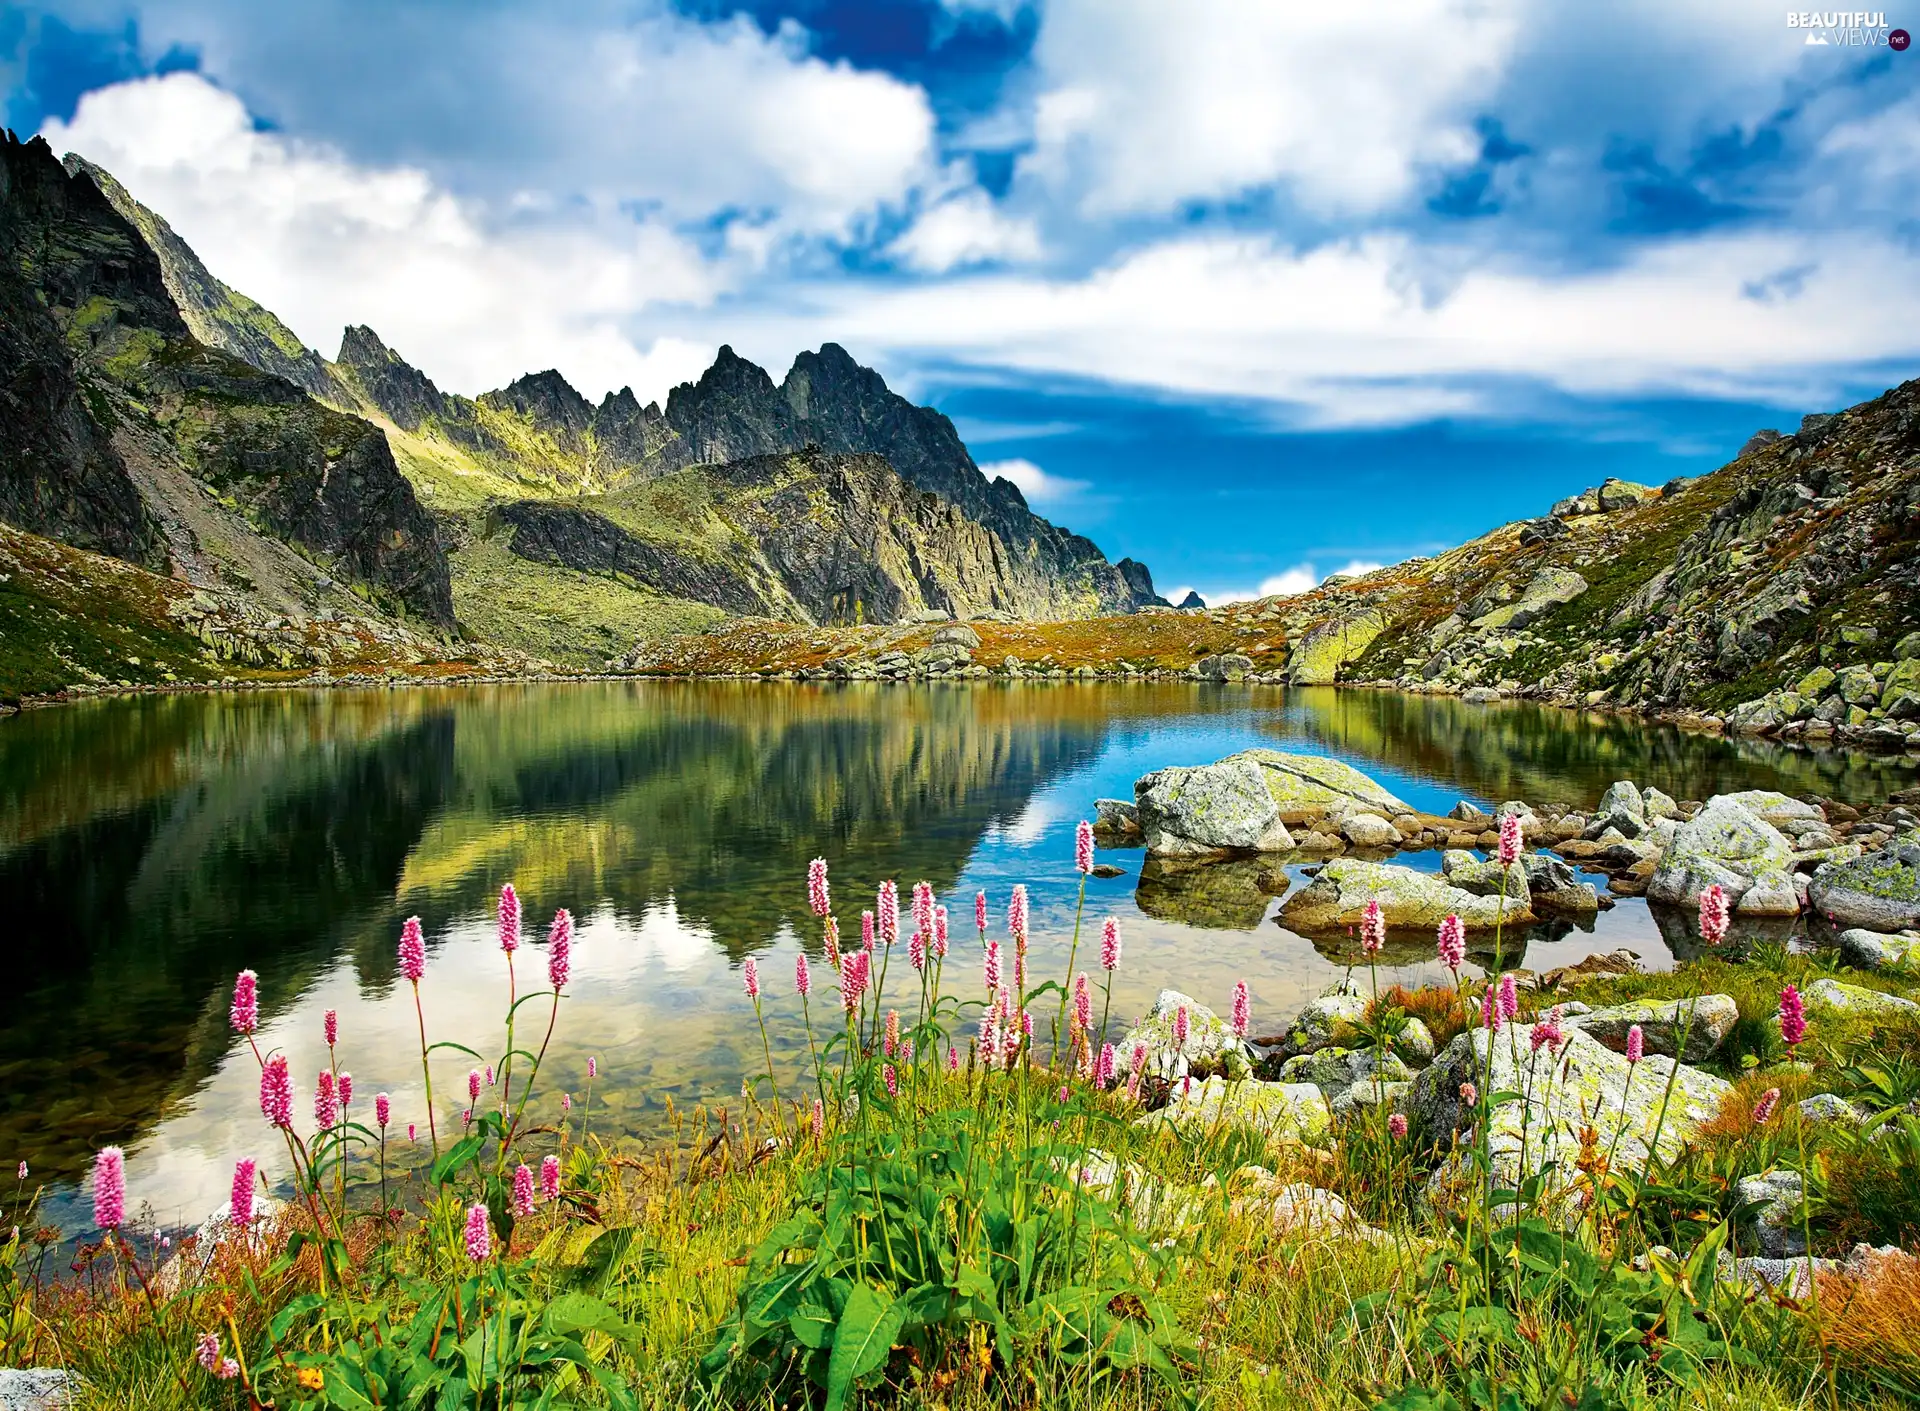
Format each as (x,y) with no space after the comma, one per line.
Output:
(152,846)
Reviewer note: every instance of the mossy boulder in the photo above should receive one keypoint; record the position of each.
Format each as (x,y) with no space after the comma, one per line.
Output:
(1578,1085)
(1878,892)
(1308,787)
(1278,1111)
(1725,844)
(1546,590)
(1331,1019)
(1224,807)
(1316,659)
(1338,897)
(1662,1022)
(1334,1070)
(1210,1043)
(1875,950)
(1842,998)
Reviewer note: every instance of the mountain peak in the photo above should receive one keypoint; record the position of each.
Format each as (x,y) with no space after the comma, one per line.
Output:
(386,381)
(545,398)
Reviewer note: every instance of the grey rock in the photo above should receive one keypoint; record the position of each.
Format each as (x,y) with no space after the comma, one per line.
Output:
(1662,1022)
(1875,950)
(1830,1107)
(1659,805)
(1836,995)
(1333,1070)
(1326,1021)
(1367,830)
(1277,1111)
(1116,822)
(1623,797)
(1772,1225)
(1224,666)
(1209,1040)
(1725,844)
(1879,891)
(1210,808)
(958,635)
(38,1388)
(1338,897)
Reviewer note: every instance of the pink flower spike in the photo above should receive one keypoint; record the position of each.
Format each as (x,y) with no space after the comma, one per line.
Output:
(1763,1109)
(489,1075)
(953,1059)
(509,919)
(245,1013)
(1509,998)
(887,912)
(1397,1126)
(566,1102)
(1469,1094)
(550,1178)
(330,1026)
(346,1090)
(593,1068)
(1110,944)
(1373,928)
(830,942)
(1242,1010)
(939,933)
(802,977)
(917,951)
(868,929)
(206,1350)
(893,1031)
(23,1170)
(522,1191)
(819,1118)
(1017,910)
(1451,945)
(1103,1072)
(479,1234)
(980,911)
(241,1208)
(1182,1023)
(227,1370)
(906,1053)
(1489,1008)
(893,1080)
(326,1101)
(1793,1016)
(560,949)
(923,908)
(991,965)
(1713,915)
(410,1133)
(473,1086)
(1083,847)
(1636,1044)
(1083,1002)
(110,1188)
(382,1110)
(817,893)
(750,977)
(1509,850)
(413,951)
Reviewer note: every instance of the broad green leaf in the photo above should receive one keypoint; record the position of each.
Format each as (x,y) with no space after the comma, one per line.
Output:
(455,1159)
(861,1342)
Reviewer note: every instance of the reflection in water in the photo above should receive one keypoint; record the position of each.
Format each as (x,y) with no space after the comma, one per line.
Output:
(154,846)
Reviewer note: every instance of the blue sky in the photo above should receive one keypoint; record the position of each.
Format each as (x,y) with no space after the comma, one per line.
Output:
(1247,290)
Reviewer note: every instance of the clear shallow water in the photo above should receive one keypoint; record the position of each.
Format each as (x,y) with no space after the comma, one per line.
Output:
(151,847)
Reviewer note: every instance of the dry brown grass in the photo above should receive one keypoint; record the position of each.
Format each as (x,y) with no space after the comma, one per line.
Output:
(1872,1325)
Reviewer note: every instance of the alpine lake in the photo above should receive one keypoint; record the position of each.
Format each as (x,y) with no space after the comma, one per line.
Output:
(152,846)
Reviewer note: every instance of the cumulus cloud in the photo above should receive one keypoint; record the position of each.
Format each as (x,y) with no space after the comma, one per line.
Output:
(324,242)
(1043,491)
(965,229)
(1142,106)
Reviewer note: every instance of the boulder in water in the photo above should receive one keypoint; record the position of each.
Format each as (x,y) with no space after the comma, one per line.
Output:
(1725,844)
(1225,807)
(1338,898)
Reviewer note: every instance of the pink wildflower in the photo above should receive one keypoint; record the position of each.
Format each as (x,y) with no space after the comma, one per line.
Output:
(830,942)
(1103,1068)
(1452,943)
(939,933)
(953,1059)
(1138,1067)
(819,1118)
(1469,1094)
(1793,1016)
(817,887)
(1242,1010)
(1509,851)
(227,1370)
(1110,944)
(1397,1126)
(1763,1109)
(867,929)
(206,1350)
(1083,1002)
(892,1031)
(566,1102)
(917,951)
(23,1170)
(853,979)
(326,1101)
(1026,1025)
(245,1012)
(473,1086)
(382,1110)
(1017,910)
(550,1178)
(1509,998)
(802,977)
(346,1090)
(522,1191)
(1489,1008)
(413,950)
(750,977)
(923,908)
(509,919)
(330,1027)
(560,949)
(593,1068)
(1083,847)
(893,1080)
(1373,928)
(110,1188)
(887,912)
(479,1234)
(991,965)
(1713,915)
(411,1129)
(980,911)
(1182,1023)
(906,1053)
(1636,1044)
(489,1075)
(1547,1032)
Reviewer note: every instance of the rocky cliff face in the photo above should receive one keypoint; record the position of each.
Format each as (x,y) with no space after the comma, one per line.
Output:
(121,432)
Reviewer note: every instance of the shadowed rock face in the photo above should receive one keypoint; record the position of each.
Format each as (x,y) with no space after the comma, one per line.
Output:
(99,370)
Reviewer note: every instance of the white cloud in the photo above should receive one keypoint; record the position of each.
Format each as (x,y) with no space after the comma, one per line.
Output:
(1299,579)
(965,229)
(1043,491)
(324,243)
(1143,105)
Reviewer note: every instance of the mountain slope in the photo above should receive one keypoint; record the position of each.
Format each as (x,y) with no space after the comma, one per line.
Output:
(539,438)
(120,432)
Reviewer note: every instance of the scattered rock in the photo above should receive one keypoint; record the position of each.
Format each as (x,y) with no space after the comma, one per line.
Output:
(1875,950)
(1662,1022)
(1725,844)
(1334,1069)
(958,635)
(1828,993)
(1878,892)
(1327,1020)
(1116,823)
(1830,1107)
(1367,830)
(1299,1209)
(1210,808)
(1307,788)
(38,1388)
(1278,1111)
(1772,1225)
(1209,1041)
(1225,666)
